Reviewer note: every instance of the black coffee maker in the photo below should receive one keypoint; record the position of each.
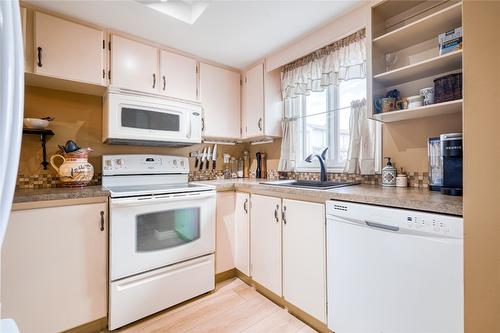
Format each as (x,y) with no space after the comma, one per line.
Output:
(451,153)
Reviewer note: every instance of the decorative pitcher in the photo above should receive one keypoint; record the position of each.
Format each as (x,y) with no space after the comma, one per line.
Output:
(75,170)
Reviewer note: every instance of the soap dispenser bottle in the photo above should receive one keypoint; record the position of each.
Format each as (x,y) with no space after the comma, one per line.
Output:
(389,174)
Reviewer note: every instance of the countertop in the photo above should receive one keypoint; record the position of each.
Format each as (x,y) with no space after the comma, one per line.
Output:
(406,198)
(59,193)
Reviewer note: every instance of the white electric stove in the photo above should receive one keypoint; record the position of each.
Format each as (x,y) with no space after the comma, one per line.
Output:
(162,235)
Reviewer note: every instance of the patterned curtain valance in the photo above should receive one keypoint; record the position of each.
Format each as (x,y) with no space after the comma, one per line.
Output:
(344,59)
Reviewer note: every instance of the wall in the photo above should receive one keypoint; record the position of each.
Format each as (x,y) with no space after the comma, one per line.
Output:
(78,117)
(338,28)
(481,21)
(405,142)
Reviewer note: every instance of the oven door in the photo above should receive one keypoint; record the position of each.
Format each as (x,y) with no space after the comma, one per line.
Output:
(156,231)
(149,119)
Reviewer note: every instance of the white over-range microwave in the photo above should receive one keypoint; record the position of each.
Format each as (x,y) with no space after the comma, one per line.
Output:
(143,119)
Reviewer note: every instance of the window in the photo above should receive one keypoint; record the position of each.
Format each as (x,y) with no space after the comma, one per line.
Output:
(320,127)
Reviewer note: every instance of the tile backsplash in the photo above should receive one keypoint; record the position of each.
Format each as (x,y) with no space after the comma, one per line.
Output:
(417,180)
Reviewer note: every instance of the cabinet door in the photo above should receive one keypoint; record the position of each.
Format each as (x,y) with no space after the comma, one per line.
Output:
(68,50)
(242,233)
(220,98)
(178,76)
(224,257)
(266,242)
(134,65)
(253,102)
(54,267)
(304,259)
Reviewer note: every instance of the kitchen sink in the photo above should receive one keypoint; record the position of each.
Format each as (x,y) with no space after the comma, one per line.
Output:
(312,184)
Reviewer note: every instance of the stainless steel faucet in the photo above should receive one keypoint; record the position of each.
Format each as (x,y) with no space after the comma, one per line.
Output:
(321,159)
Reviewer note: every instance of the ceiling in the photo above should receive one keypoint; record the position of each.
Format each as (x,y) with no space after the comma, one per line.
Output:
(234,33)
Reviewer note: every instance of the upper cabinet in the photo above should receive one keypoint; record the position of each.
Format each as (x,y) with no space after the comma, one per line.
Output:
(178,76)
(143,67)
(68,50)
(220,98)
(253,102)
(262,109)
(134,65)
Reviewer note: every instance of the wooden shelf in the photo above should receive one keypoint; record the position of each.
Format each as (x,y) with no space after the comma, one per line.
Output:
(421,30)
(421,112)
(37,131)
(440,64)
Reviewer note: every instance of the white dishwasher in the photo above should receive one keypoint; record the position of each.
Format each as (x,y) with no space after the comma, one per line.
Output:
(393,270)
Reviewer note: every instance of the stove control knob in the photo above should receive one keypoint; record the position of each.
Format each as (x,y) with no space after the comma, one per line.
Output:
(175,163)
(182,164)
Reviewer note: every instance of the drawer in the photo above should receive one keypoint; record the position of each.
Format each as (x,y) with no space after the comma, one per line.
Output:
(139,296)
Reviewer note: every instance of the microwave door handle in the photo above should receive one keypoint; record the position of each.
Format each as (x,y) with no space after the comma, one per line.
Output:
(189,121)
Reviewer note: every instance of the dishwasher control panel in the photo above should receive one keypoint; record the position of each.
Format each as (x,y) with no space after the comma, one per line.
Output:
(427,223)
(396,219)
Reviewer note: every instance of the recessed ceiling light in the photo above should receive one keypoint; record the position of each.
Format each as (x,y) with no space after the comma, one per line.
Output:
(183,10)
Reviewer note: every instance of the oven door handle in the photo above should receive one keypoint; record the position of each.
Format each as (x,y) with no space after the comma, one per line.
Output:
(158,199)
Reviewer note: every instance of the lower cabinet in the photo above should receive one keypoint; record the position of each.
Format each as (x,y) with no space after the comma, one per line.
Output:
(288,251)
(54,267)
(233,232)
(242,232)
(280,243)
(265,244)
(224,248)
(304,256)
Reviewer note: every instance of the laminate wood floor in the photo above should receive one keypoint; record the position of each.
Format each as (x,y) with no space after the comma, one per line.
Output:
(233,307)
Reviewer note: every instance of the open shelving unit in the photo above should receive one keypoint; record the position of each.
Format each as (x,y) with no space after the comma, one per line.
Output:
(440,64)
(408,31)
(421,30)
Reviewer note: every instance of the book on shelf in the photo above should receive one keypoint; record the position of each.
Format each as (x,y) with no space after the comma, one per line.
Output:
(450,41)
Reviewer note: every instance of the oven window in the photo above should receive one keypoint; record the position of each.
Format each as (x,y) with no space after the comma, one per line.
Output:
(153,120)
(167,229)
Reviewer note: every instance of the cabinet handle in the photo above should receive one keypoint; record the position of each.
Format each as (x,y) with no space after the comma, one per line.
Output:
(283,215)
(245,206)
(154,80)
(102,220)
(39,56)
(164,82)
(276,214)
(260,124)
(202,124)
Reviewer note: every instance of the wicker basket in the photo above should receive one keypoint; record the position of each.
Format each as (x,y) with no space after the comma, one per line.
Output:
(448,88)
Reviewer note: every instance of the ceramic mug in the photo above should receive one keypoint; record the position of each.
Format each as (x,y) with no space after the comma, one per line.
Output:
(415,101)
(428,95)
(385,104)
(402,104)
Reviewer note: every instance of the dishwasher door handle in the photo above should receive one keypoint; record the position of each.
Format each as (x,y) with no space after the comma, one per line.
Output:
(381,226)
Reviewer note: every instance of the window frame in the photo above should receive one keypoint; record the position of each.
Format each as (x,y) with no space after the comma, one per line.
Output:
(333,164)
